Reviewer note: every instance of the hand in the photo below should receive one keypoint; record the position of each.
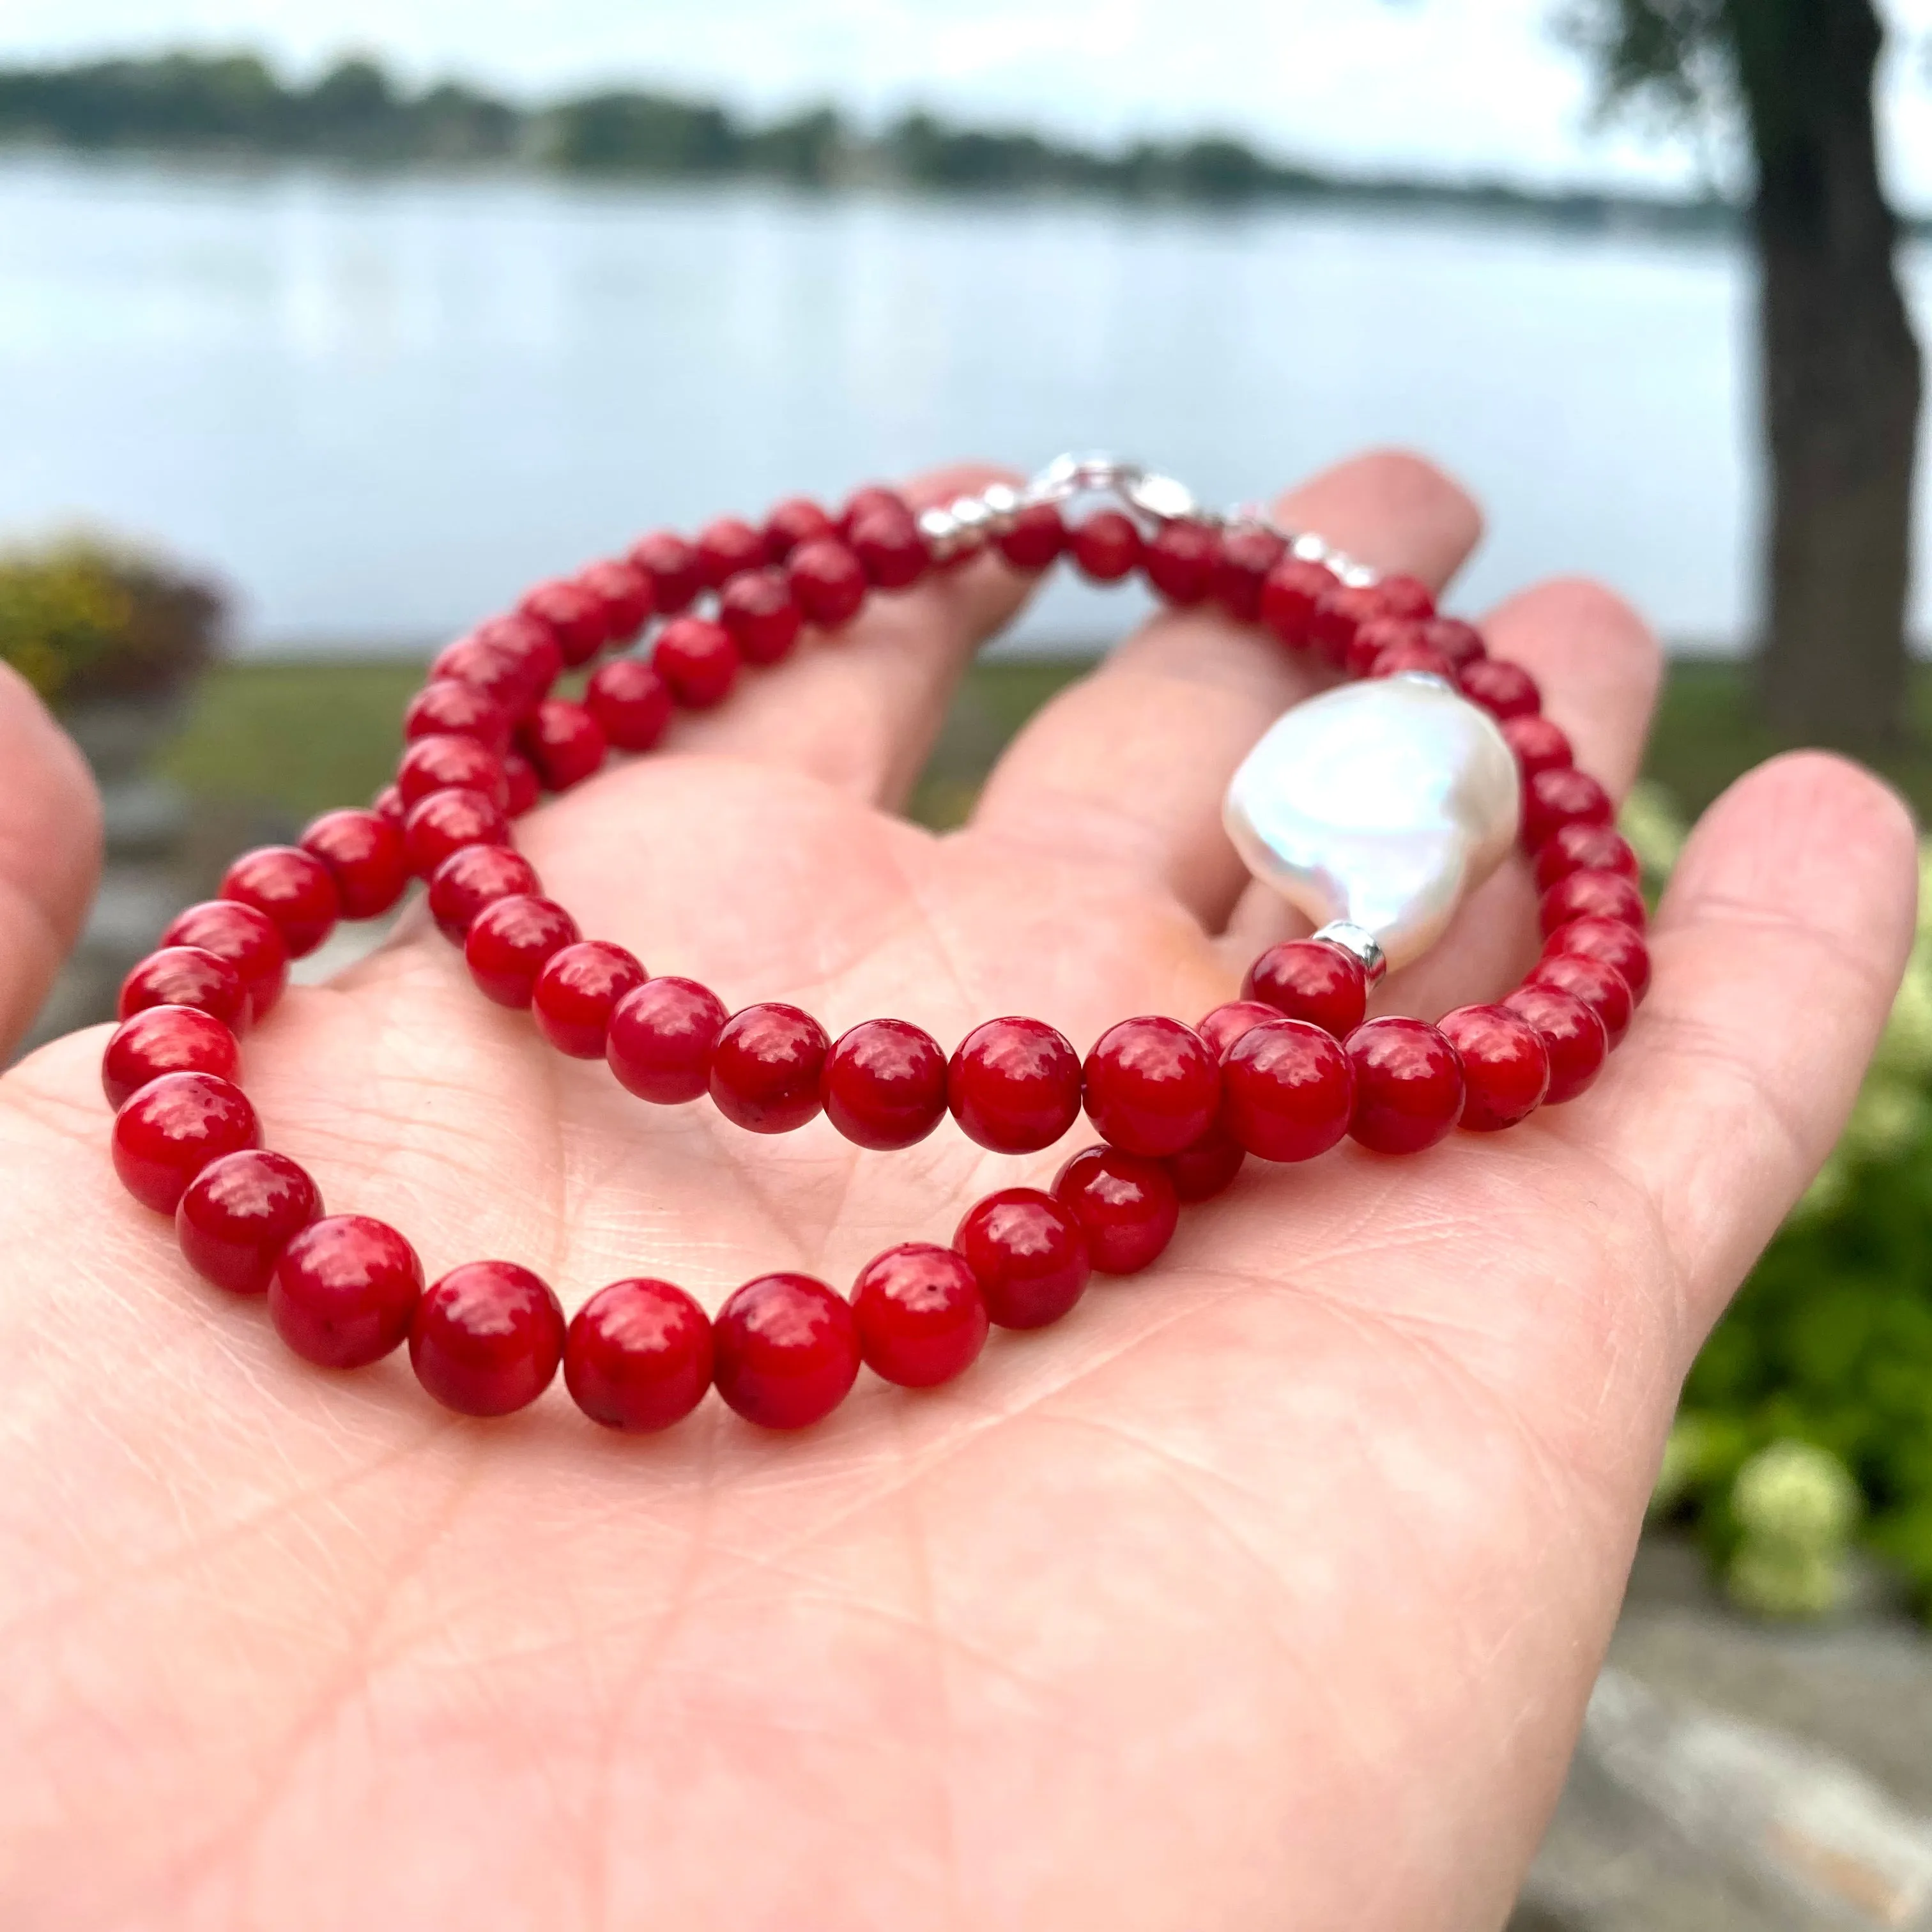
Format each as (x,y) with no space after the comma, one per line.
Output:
(1266,1590)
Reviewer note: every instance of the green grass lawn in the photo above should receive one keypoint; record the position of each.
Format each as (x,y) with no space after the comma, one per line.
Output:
(294,739)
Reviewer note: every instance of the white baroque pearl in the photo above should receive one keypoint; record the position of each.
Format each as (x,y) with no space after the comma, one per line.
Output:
(1381,803)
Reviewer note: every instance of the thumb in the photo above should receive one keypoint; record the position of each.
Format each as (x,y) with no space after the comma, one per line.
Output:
(49,853)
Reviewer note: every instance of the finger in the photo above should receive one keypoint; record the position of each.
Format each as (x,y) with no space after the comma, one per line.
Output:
(1777,951)
(49,853)
(1127,769)
(860,707)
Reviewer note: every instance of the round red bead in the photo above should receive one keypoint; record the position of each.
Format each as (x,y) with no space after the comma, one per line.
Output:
(250,941)
(1610,941)
(1310,979)
(448,763)
(1573,1034)
(796,522)
(767,1066)
(920,1316)
(828,582)
(1127,1207)
(1247,555)
(166,1040)
(1560,795)
(486,1338)
(366,857)
(344,1290)
(172,1128)
(884,1084)
(1179,560)
(1580,847)
(757,608)
(1014,1085)
(626,594)
(525,788)
(1413,658)
(874,498)
(638,1355)
(1505,1065)
(1028,1254)
(1600,987)
(1503,689)
(1408,1085)
(185,975)
(786,1350)
(505,679)
(469,880)
(889,548)
(563,741)
(511,941)
(1227,1023)
(1339,613)
(1375,635)
(448,707)
(573,615)
(1034,539)
(727,545)
(1152,1086)
(1290,592)
(673,567)
(698,659)
(387,805)
(1105,547)
(1207,1168)
(239,1214)
(662,1037)
(1592,895)
(631,702)
(1460,642)
(1287,1089)
(445,822)
(293,887)
(576,992)
(531,645)
(1539,745)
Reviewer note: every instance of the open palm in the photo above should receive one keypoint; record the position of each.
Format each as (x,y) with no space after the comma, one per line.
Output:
(1265,1590)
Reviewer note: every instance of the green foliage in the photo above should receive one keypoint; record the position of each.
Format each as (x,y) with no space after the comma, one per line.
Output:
(80,618)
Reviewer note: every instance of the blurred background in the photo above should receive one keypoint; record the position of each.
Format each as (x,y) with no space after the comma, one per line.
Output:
(324,329)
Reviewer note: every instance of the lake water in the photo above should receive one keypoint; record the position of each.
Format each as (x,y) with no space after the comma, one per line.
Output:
(381,406)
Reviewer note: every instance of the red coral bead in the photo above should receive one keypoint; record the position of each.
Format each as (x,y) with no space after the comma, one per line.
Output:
(172,1128)
(920,1316)
(530,644)
(1600,987)
(1014,1085)
(1401,596)
(1289,594)
(1207,1168)
(1414,659)
(1505,1066)
(1408,1085)
(795,523)
(511,941)
(662,1038)
(638,1355)
(1127,1207)
(1339,612)
(698,660)
(1573,1034)
(447,707)
(248,940)
(631,702)
(1460,642)
(1152,1086)
(166,1040)
(574,994)
(1558,796)
(786,1350)
(757,608)
(366,857)
(387,805)
(1228,1022)
(1247,555)
(506,680)
(185,975)
(626,592)
(448,763)
(1028,1253)
(672,565)
(1310,979)
(238,1214)
(520,776)
(343,1293)
(1288,1089)
(1179,560)
(767,1066)
(469,880)
(889,548)
(1610,941)
(293,887)
(1105,547)
(575,617)
(874,499)
(563,741)
(1539,745)
(1034,539)
(446,821)
(1373,636)
(1579,848)
(1503,689)
(486,1338)
(1592,895)
(828,583)
(884,1084)
(726,545)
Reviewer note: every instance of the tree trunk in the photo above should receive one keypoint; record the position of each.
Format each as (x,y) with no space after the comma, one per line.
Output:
(1840,374)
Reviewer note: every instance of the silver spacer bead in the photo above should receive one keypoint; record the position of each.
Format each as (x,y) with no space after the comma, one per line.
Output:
(940,530)
(1359,943)
(1003,506)
(1161,498)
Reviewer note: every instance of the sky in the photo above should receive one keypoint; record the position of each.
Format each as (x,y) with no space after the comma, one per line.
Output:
(1454,87)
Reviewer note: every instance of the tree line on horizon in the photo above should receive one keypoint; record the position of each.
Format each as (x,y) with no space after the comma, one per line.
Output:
(235,103)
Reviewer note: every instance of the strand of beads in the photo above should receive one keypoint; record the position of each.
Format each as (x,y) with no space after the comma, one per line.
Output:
(1283,1073)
